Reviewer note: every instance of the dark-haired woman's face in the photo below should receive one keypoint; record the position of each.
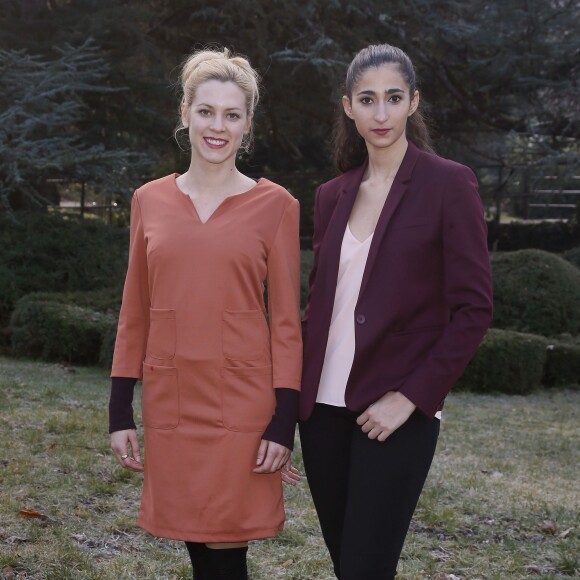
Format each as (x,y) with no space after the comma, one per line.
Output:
(380,106)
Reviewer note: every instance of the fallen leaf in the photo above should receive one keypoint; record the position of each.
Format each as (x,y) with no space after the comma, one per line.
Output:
(26,513)
(7,573)
(549,527)
(565,533)
(533,569)
(287,563)
(15,540)
(52,445)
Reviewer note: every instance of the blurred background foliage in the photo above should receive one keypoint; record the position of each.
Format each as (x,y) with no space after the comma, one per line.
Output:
(87,87)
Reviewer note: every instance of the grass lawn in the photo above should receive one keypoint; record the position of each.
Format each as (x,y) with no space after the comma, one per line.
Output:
(501,500)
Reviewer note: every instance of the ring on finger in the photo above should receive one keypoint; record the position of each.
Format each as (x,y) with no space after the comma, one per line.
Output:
(124,456)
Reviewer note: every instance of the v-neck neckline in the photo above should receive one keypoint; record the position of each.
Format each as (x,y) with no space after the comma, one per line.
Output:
(189,202)
(353,237)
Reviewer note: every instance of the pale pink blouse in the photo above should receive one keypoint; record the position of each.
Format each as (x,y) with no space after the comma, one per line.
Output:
(340,347)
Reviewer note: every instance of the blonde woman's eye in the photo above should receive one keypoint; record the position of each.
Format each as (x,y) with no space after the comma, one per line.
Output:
(234,116)
(204,112)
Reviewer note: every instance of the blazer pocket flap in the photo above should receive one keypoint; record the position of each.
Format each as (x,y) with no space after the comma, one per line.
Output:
(409,226)
(431,328)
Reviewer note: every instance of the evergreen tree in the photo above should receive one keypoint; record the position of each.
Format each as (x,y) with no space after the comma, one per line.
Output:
(41,113)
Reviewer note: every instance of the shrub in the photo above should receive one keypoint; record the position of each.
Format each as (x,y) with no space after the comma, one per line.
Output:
(51,330)
(8,297)
(107,300)
(506,362)
(53,254)
(549,236)
(536,292)
(573,256)
(562,365)
(108,346)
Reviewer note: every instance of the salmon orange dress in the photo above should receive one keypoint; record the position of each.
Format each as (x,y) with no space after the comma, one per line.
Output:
(194,327)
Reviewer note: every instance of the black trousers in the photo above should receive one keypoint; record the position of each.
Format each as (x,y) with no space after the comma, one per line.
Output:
(365,491)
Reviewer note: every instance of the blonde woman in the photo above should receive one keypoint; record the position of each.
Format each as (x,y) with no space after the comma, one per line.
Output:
(220,371)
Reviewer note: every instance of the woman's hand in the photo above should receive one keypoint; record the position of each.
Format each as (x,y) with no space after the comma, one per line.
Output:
(126,447)
(290,475)
(386,415)
(271,457)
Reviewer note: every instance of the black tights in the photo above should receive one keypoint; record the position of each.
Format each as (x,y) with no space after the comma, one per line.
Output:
(217,564)
(365,491)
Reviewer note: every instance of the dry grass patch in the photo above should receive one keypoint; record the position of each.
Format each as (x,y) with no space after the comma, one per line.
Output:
(501,501)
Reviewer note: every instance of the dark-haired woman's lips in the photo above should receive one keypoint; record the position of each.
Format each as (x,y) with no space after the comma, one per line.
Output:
(381,131)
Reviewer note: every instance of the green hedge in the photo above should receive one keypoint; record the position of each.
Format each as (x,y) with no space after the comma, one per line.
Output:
(52,330)
(562,365)
(536,292)
(107,300)
(506,362)
(573,256)
(108,346)
(50,253)
(549,236)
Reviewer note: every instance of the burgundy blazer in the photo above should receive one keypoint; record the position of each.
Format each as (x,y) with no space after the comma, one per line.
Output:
(425,300)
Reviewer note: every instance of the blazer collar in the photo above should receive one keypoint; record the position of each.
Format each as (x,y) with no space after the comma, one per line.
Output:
(349,186)
(396,194)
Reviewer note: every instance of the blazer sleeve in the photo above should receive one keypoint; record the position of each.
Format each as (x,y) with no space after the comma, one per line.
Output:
(468,291)
(133,327)
(283,281)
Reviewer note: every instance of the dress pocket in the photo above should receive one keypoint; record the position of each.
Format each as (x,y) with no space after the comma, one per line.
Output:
(160,400)
(244,334)
(248,399)
(162,334)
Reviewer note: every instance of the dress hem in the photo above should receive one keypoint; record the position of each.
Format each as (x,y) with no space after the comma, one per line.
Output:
(242,536)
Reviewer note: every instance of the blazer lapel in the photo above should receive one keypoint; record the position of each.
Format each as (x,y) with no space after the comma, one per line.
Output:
(398,189)
(332,244)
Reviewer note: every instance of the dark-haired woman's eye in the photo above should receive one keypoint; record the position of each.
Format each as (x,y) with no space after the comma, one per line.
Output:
(396,99)
(366,100)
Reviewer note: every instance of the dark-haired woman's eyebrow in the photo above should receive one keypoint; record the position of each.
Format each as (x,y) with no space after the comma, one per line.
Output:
(388,91)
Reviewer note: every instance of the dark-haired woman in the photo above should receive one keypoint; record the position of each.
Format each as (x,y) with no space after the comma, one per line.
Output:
(400,297)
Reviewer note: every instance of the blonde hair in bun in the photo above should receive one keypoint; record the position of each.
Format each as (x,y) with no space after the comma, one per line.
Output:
(220,65)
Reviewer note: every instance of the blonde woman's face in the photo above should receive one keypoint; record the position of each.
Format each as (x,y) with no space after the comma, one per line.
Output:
(217,120)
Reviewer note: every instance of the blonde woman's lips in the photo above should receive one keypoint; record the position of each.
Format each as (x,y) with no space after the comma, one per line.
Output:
(215,143)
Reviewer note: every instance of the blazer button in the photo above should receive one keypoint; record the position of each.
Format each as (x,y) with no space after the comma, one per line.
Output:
(360,319)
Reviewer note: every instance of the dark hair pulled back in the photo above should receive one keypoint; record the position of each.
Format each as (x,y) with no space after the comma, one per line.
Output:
(349,147)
